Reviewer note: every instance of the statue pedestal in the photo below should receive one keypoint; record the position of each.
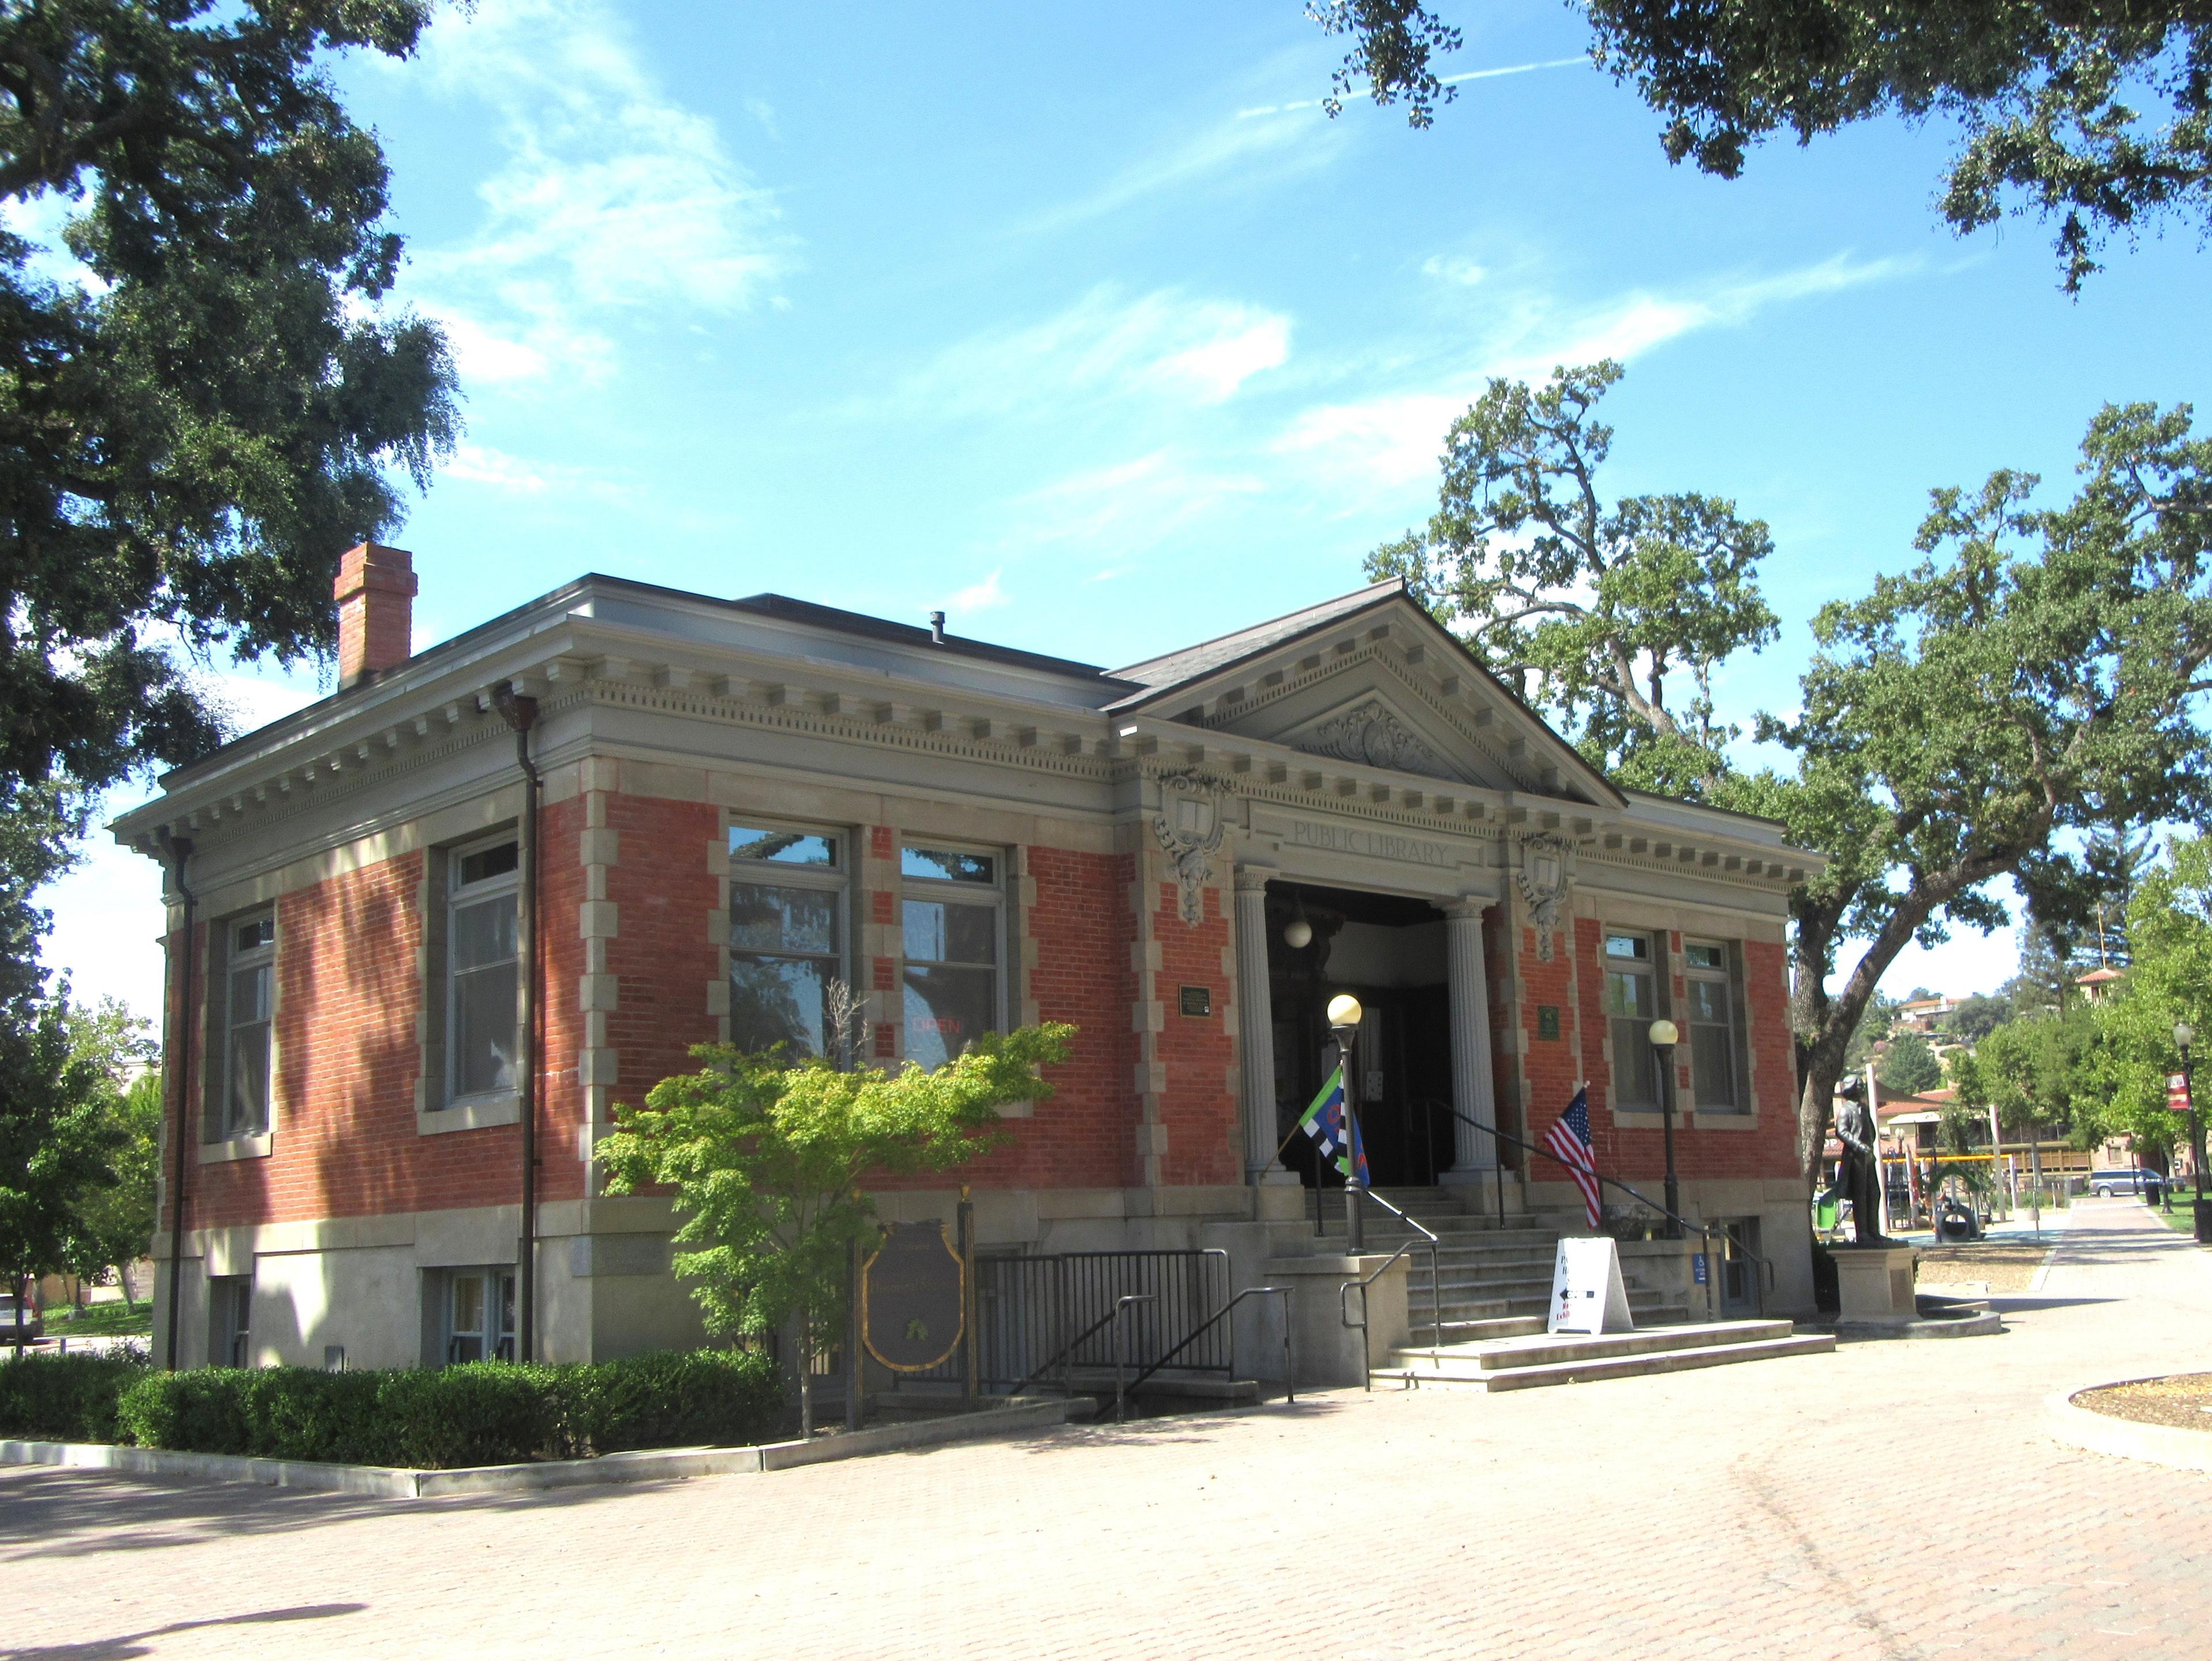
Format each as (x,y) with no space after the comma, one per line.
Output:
(1875,1284)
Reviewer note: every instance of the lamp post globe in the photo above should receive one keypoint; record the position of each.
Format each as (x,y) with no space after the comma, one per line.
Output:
(1344,1014)
(1664,1036)
(1298,934)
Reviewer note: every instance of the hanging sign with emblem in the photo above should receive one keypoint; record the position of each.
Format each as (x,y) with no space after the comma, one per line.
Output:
(913,1298)
(2176,1091)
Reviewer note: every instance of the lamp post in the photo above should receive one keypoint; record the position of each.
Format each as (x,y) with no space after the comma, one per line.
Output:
(1663,1038)
(2202,1208)
(1344,1012)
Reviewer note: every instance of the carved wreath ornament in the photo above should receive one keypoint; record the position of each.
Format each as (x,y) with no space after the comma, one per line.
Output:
(1543,870)
(1373,735)
(1189,826)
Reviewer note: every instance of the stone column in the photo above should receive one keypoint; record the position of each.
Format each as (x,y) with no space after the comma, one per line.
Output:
(1255,1029)
(1474,1154)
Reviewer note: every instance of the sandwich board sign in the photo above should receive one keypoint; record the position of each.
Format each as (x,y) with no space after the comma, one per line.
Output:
(1588,1294)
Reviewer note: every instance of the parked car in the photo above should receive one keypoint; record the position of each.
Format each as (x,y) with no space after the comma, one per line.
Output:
(32,1326)
(2127,1179)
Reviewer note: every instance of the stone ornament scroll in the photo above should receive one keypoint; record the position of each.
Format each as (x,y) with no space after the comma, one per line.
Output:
(1190,827)
(1544,870)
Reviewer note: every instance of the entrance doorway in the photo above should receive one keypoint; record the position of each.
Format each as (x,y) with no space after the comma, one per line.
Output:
(1389,953)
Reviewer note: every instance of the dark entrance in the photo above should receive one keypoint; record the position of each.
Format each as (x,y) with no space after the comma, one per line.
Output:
(1388,952)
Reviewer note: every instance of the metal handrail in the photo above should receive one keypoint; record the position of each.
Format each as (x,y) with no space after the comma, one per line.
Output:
(1066,1351)
(1290,1391)
(1122,1304)
(1771,1278)
(1436,1277)
(1344,1310)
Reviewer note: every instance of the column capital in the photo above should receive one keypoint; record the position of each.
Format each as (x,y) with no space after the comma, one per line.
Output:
(1253,879)
(1467,909)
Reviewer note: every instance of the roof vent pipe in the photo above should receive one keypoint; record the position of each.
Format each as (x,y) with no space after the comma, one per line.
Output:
(937,629)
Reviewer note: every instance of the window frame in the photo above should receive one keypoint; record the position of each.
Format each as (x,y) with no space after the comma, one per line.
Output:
(836,880)
(1647,969)
(263,957)
(494,1332)
(459,896)
(996,893)
(1724,975)
(230,1313)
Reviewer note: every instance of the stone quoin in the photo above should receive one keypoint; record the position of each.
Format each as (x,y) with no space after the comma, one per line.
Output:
(749,805)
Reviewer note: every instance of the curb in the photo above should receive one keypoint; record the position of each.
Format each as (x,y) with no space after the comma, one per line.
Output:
(641,1465)
(2101,1432)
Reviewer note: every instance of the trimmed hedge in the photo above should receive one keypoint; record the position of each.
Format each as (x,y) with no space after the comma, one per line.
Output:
(485,1413)
(65,1398)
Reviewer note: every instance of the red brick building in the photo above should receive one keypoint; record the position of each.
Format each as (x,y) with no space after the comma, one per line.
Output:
(391,955)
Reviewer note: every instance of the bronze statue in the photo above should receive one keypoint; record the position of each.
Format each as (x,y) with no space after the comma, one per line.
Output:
(1859,1180)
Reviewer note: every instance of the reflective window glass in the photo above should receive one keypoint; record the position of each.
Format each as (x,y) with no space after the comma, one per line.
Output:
(784,847)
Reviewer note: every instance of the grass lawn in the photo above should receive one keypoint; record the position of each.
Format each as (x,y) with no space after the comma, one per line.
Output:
(2183,1219)
(101,1320)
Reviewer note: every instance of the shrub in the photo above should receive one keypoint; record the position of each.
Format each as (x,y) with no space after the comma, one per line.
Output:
(673,1398)
(485,1413)
(65,1398)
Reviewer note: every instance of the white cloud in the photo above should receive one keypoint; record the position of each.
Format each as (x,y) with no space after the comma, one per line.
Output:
(1464,272)
(610,199)
(978,597)
(1240,146)
(1393,438)
(1191,351)
(1458,80)
(496,469)
(1127,506)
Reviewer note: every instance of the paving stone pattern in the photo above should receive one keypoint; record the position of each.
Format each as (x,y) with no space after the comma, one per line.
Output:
(1894,1501)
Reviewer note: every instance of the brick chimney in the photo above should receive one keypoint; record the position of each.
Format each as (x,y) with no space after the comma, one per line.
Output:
(376,593)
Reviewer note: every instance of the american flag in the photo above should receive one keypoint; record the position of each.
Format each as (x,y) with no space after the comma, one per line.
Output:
(1568,1141)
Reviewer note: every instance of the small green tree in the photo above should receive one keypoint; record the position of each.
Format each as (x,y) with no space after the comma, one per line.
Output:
(55,1142)
(113,1226)
(768,1162)
(2170,979)
(1908,1065)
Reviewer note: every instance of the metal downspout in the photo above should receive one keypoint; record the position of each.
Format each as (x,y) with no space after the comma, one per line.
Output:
(179,850)
(521,713)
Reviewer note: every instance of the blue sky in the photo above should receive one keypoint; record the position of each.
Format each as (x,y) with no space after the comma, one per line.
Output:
(1088,327)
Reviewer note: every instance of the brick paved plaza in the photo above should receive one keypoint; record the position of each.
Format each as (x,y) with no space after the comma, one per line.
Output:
(1892,1500)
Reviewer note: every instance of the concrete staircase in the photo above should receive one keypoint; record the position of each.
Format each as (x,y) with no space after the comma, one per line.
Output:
(1524,1363)
(1494,1286)
(1494,1274)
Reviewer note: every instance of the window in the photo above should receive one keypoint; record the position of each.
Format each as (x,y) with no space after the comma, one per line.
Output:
(1712,1025)
(249,995)
(953,927)
(230,1311)
(483,1020)
(1632,1005)
(788,937)
(479,1315)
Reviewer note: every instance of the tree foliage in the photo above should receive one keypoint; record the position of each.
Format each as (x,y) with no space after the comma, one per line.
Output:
(57,1143)
(1978,1015)
(2036,674)
(1909,1066)
(768,1161)
(203,397)
(2170,980)
(1612,617)
(2095,114)
(2037,1073)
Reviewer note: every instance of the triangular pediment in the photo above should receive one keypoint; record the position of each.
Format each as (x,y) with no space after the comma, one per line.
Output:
(1374,681)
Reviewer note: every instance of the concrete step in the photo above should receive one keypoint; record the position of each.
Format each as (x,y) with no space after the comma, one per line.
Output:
(1526,1362)
(1212,1388)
